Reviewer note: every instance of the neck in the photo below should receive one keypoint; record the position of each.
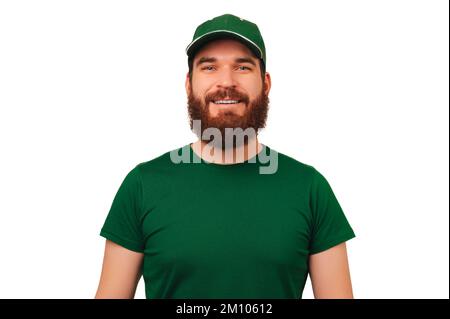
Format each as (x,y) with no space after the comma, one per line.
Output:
(238,154)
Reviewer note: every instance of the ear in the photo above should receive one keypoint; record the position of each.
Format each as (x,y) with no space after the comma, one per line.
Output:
(187,84)
(267,83)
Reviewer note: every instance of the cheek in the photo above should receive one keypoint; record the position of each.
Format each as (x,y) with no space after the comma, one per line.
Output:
(199,92)
(253,87)
(199,84)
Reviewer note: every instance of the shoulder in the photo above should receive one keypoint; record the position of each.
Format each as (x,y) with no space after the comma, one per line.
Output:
(157,169)
(291,167)
(159,162)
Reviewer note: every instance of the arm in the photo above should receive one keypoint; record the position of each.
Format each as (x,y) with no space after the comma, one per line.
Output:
(330,274)
(121,272)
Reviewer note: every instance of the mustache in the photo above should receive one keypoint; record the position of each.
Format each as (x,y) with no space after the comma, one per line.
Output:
(230,93)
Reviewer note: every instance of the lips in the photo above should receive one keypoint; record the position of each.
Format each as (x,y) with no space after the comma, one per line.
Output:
(229,97)
(226,101)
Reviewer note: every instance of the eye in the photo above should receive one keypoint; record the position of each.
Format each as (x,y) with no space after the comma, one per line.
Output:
(244,67)
(208,68)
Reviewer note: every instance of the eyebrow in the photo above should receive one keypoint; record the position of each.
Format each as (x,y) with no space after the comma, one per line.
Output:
(245,59)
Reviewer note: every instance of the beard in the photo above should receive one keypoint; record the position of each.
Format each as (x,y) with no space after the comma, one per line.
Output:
(254,118)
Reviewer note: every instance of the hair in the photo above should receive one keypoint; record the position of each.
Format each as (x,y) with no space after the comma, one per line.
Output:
(262,66)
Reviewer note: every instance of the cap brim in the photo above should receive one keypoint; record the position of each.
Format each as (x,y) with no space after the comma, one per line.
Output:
(196,44)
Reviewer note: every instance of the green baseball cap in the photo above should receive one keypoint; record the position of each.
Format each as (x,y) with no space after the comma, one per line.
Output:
(228,26)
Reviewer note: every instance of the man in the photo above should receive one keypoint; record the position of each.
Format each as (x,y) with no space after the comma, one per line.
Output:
(209,219)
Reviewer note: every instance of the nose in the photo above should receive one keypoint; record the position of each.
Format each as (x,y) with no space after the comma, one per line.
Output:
(226,79)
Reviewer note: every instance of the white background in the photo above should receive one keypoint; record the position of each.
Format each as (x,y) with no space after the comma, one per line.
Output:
(88,89)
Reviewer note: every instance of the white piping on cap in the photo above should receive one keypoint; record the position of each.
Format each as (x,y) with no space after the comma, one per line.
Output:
(215,31)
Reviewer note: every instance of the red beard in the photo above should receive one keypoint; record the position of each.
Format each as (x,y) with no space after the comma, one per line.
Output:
(254,118)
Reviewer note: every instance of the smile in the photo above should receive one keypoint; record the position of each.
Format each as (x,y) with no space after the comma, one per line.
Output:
(226,102)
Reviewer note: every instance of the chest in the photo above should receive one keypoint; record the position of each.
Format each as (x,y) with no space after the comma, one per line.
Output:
(207,229)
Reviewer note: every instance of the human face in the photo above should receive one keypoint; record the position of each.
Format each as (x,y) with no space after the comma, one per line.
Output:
(227,70)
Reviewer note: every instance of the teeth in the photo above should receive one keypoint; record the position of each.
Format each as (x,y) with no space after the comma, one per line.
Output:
(226,102)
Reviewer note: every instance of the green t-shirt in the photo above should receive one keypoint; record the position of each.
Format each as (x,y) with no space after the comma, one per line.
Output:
(225,231)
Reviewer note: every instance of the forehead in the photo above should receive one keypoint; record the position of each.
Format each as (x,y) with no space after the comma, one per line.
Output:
(224,49)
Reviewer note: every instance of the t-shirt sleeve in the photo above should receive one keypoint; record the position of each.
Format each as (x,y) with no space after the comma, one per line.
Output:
(330,227)
(122,224)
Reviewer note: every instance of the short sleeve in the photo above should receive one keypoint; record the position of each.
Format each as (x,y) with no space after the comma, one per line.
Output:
(330,226)
(122,224)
